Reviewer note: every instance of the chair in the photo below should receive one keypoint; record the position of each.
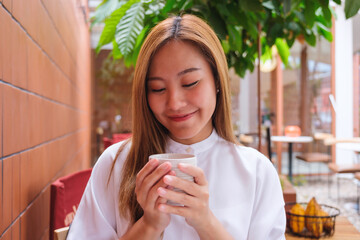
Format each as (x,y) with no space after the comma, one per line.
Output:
(66,193)
(117,137)
(345,168)
(317,156)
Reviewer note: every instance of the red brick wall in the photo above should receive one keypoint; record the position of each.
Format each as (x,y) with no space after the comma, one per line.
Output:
(45,88)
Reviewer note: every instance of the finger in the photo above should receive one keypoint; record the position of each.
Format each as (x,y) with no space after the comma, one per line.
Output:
(150,180)
(160,200)
(196,172)
(146,170)
(172,173)
(187,186)
(178,210)
(178,197)
(153,195)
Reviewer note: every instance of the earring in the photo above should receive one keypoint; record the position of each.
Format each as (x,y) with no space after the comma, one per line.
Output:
(217,90)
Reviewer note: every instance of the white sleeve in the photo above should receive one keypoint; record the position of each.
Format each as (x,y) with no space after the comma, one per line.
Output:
(96,217)
(268,220)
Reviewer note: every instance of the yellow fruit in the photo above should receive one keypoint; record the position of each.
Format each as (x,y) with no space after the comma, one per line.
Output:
(297,224)
(313,224)
(328,223)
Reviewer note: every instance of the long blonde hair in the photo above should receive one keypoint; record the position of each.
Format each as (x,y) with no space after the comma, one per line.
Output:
(148,135)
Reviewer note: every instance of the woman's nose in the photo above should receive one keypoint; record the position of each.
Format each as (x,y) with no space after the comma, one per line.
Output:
(176,100)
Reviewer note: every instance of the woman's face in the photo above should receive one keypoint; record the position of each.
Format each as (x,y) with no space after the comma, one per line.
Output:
(181,91)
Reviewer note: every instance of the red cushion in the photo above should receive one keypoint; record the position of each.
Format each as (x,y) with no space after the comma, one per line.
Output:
(107,142)
(66,193)
(117,137)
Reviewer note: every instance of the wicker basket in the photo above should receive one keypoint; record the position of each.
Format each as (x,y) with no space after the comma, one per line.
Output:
(324,225)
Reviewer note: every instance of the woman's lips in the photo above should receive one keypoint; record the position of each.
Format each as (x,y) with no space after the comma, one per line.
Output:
(183,117)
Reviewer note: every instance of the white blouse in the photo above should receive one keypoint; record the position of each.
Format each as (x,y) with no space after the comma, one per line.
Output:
(244,187)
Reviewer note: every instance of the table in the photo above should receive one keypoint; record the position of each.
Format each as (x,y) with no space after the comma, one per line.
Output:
(350,146)
(344,230)
(290,141)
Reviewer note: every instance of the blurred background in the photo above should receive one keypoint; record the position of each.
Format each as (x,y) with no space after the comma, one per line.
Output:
(62,102)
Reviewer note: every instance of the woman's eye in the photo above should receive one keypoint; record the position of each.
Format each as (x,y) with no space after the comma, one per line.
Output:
(158,90)
(191,84)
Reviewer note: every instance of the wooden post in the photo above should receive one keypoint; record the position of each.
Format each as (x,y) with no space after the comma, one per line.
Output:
(277,106)
(304,94)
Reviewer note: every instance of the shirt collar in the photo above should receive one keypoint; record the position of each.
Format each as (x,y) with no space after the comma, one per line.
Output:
(175,147)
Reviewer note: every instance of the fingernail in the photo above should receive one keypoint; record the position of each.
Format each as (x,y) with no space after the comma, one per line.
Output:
(167,179)
(161,191)
(153,162)
(182,165)
(162,207)
(166,165)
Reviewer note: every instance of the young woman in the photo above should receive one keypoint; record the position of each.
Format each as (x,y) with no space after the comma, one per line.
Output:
(181,104)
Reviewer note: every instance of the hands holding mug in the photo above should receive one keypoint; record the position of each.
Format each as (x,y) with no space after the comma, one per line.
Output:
(172,184)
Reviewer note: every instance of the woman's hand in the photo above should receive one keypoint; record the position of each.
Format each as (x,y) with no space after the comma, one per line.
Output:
(195,203)
(148,180)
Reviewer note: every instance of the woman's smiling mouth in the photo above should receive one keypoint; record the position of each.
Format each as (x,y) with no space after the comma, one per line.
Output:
(182,117)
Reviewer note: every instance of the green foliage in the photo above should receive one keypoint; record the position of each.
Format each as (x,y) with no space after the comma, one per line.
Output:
(236,23)
(129,28)
(351,8)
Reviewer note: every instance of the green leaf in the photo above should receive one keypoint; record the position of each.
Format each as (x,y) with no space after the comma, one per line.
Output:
(225,45)
(155,8)
(295,4)
(310,39)
(321,19)
(283,50)
(229,13)
(129,28)
(266,53)
(294,26)
(327,14)
(138,44)
(108,33)
(337,2)
(168,6)
(269,5)
(217,23)
(351,8)
(104,10)
(248,24)
(290,42)
(251,5)
(286,6)
(325,33)
(187,4)
(300,16)
(235,39)
(116,51)
(309,12)
(274,32)
(324,3)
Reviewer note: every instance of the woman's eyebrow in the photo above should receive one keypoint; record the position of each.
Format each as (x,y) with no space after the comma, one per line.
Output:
(183,72)
(187,71)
